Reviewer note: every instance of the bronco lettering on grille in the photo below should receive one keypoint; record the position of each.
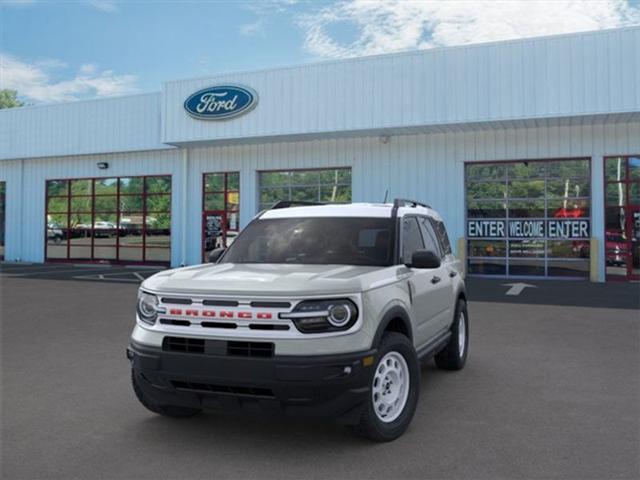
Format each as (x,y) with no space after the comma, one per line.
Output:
(221,314)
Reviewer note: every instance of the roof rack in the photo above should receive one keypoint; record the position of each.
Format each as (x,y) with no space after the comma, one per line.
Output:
(294,203)
(403,202)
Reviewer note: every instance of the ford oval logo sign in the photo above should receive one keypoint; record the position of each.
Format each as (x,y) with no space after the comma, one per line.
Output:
(221,102)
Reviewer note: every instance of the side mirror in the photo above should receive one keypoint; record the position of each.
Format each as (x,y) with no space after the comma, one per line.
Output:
(424,259)
(215,254)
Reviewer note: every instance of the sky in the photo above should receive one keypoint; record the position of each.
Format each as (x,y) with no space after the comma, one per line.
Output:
(57,51)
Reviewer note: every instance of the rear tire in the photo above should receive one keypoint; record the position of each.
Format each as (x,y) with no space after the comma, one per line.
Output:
(164,410)
(395,388)
(454,355)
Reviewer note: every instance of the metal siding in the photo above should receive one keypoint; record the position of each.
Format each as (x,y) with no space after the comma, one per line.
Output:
(428,167)
(11,173)
(568,75)
(562,76)
(26,204)
(120,124)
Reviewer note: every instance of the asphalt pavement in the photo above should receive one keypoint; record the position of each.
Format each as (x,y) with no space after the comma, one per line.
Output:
(551,390)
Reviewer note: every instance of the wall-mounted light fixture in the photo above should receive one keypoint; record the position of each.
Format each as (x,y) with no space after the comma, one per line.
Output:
(103,165)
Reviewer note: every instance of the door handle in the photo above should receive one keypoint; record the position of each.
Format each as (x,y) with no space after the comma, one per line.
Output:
(452,274)
(435,279)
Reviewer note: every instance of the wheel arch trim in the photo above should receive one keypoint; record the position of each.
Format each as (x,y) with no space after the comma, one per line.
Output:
(393,313)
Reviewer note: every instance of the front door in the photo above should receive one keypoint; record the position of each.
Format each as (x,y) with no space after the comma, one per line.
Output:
(220,210)
(428,287)
(633,264)
(214,233)
(622,217)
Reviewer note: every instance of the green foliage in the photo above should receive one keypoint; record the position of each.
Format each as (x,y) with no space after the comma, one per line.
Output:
(332,185)
(9,99)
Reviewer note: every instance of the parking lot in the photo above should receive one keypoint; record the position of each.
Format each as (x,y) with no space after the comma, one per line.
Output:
(78,272)
(551,390)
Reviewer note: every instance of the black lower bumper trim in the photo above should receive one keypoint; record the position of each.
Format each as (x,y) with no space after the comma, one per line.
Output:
(324,385)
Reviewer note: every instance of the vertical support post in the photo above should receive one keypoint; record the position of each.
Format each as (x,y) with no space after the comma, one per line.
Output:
(594,259)
(22,255)
(184,210)
(597,270)
(462,254)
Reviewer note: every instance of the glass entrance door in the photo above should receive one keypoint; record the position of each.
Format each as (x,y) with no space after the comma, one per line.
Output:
(220,210)
(2,200)
(634,244)
(622,218)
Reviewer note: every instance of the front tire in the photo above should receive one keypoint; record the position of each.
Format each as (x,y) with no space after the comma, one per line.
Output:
(395,388)
(454,355)
(164,410)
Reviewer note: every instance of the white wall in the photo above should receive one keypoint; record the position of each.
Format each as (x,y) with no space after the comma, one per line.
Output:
(26,204)
(11,173)
(119,124)
(427,167)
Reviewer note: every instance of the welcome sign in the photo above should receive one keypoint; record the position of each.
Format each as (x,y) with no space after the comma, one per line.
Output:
(570,229)
(221,102)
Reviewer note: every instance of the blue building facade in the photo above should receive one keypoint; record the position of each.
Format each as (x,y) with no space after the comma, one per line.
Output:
(530,150)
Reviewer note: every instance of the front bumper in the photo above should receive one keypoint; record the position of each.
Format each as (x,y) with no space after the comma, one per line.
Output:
(333,386)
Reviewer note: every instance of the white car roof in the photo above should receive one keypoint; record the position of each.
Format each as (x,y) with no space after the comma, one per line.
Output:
(379,210)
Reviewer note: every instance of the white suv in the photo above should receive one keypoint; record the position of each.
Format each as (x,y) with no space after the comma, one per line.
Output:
(315,309)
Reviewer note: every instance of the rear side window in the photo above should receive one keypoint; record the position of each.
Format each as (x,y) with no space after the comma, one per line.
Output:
(411,238)
(441,231)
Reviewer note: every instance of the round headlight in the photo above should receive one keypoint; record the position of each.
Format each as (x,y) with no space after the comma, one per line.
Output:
(339,315)
(320,316)
(147,307)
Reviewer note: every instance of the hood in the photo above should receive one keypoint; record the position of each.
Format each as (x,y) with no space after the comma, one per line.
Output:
(268,279)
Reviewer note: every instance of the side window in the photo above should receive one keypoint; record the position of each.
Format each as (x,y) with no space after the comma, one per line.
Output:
(441,231)
(411,238)
(430,238)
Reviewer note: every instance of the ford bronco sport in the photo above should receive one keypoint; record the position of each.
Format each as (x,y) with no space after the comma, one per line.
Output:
(314,309)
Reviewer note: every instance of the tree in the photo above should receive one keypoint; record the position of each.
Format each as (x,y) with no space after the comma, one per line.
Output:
(9,99)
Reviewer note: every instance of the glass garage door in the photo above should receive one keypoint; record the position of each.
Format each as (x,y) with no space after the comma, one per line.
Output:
(120,219)
(529,218)
(331,185)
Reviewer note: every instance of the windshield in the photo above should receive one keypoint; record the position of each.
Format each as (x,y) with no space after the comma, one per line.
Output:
(317,240)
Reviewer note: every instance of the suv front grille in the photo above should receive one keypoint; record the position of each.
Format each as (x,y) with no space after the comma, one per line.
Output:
(250,349)
(181,344)
(218,347)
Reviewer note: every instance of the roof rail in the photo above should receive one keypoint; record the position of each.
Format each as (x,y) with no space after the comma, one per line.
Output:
(403,202)
(294,203)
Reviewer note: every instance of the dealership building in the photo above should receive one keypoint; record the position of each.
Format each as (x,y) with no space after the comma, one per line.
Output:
(529,149)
